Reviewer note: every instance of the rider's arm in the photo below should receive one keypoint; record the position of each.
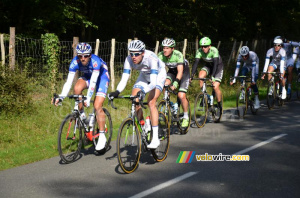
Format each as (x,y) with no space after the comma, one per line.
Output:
(68,84)
(267,61)
(179,71)
(125,76)
(93,82)
(282,60)
(216,63)
(295,52)
(254,70)
(195,65)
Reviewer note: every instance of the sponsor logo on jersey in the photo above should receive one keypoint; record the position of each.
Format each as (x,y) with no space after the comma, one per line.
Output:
(95,64)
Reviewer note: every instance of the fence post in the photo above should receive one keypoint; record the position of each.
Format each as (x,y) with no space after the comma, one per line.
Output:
(75,43)
(197,43)
(237,54)
(219,43)
(232,52)
(2,50)
(12,50)
(156,47)
(254,45)
(97,46)
(112,60)
(184,47)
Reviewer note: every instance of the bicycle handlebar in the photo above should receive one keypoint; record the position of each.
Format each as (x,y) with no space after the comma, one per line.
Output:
(130,97)
(168,88)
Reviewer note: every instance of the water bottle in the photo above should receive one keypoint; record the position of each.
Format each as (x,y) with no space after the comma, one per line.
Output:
(175,107)
(211,100)
(148,125)
(92,120)
(208,99)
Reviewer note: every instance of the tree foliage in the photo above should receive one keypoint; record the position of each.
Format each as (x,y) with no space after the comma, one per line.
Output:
(152,20)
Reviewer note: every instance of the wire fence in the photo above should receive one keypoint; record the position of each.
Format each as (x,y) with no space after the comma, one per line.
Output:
(30,57)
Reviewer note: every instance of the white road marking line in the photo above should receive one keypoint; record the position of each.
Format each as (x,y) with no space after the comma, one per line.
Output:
(260,144)
(164,185)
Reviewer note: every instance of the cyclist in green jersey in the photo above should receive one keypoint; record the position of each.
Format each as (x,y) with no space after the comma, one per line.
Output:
(213,66)
(178,73)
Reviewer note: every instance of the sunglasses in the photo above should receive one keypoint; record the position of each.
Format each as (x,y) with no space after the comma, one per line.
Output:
(135,54)
(204,46)
(275,45)
(85,56)
(245,55)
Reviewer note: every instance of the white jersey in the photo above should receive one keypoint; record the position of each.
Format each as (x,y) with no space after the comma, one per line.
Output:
(278,59)
(252,63)
(149,69)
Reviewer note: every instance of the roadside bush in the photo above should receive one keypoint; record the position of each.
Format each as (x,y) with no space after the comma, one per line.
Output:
(15,92)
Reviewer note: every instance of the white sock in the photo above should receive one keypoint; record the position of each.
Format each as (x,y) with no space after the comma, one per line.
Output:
(186,115)
(155,141)
(101,141)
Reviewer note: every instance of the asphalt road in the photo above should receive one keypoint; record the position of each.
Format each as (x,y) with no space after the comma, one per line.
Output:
(271,139)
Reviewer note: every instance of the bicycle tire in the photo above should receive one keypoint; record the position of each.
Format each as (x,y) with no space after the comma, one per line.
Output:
(180,114)
(69,144)
(216,113)
(128,146)
(241,105)
(278,93)
(271,98)
(161,152)
(200,110)
(165,109)
(108,130)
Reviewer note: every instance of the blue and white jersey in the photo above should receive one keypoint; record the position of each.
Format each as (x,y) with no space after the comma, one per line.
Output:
(96,63)
(150,67)
(251,63)
(288,49)
(278,59)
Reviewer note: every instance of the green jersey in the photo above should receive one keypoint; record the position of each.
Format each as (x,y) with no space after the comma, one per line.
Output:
(213,53)
(172,62)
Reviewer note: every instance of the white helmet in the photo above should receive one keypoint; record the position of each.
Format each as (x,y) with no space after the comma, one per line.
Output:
(168,43)
(244,51)
(136,45)
(278,41)
(83,48)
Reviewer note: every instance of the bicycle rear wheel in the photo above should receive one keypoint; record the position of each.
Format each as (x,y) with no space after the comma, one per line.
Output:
(241,102)
(69,138)
(216,111)
(161,152)
(128,146)
(200,110)
(165,109)
(108,129)
(183,130)
(271,93)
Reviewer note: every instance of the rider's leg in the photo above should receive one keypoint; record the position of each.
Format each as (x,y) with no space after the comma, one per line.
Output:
(290,78)
(80,85)
(270,69)
(100,116)
(152,98)
(283,94)
(202,74)
(138,109)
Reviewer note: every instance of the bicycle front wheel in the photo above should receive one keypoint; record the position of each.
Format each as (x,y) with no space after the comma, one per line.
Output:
(69,139)
(161,152)
(184,128)
(128,146)
(271,93)
(200,110)
(108,129)
(217,111)
(241,102)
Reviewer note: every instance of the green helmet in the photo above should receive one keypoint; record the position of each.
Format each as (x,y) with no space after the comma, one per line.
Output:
(205,41)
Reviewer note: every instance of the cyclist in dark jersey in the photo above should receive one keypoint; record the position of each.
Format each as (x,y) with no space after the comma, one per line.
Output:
(178,73)
(213,66)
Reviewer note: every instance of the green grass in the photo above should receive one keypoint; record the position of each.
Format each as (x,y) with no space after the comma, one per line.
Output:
(32,137)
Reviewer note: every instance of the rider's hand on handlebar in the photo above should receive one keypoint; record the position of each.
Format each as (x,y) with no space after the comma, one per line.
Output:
(263,76)
(114,94)
(56,101)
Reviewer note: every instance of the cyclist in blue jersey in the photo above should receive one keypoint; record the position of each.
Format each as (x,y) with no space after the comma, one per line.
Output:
(95,75)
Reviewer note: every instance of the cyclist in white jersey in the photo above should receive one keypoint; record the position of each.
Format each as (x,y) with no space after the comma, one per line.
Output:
(278,55)
(251,63)
(290,60)
(151,79)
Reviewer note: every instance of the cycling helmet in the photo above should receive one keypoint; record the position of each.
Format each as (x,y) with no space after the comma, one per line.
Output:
(83,48)
(278,41)
(277,37)
(244,51)
(136,45)
(168,43)
(205,41)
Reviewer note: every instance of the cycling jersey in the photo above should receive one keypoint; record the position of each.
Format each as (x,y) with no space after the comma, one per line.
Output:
(95,74)
(290,57)
(213,63)
(252,63)
(297,53)
(172,63)
(278,59)
(152,72)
